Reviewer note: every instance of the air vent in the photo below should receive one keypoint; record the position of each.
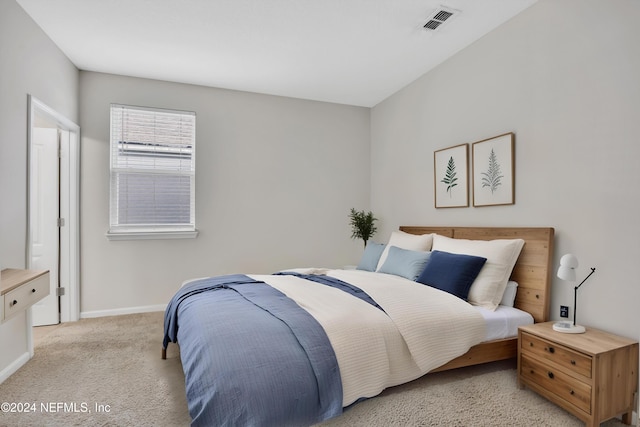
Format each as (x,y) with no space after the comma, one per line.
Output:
(432,24)
(442,15)
(439,17)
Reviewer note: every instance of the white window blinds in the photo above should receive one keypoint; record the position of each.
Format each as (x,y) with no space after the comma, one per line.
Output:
(152,170)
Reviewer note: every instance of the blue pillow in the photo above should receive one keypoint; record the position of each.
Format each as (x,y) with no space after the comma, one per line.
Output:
(371,256)
(405,263)
(453,273)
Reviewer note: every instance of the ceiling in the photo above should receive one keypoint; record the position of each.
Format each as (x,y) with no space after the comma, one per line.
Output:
(355,52)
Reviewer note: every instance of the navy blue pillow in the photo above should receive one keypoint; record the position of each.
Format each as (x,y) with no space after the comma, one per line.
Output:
(453,273)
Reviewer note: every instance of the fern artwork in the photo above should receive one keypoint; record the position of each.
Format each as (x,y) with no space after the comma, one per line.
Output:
(450,178)
(492,178)
(493,171)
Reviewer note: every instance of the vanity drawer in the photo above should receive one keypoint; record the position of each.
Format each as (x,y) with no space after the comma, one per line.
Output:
(557,382)
(572,360)
(25,295)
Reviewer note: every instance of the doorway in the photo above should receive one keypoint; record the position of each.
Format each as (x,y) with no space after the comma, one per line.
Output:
(53,211)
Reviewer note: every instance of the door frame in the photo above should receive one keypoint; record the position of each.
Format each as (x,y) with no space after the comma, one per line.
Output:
(69,207)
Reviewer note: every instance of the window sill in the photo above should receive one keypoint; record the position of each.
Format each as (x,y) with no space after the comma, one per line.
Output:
(151,235)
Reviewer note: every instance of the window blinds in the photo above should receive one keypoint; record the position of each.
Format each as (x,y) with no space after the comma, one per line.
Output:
(152,169)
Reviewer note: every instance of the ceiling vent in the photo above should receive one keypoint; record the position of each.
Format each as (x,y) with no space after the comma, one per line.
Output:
(439,17)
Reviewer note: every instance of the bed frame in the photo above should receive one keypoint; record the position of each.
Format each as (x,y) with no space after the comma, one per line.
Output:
(532,272)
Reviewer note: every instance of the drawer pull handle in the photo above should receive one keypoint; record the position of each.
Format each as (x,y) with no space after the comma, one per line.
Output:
(530,344)
(572,392)
(573,362)
(551,350)
(550,374)
(14,302)
(33,291)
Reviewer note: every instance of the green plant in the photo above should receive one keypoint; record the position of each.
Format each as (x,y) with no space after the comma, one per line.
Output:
(362,225)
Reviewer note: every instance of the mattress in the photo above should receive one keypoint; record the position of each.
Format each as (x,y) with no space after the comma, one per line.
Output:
(503,322)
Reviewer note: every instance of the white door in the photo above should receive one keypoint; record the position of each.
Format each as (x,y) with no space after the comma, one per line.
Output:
(44,200)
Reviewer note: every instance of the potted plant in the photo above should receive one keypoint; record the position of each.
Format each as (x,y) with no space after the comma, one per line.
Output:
(362,225)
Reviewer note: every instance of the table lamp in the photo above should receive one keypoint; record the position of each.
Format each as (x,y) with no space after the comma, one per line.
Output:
(567,271)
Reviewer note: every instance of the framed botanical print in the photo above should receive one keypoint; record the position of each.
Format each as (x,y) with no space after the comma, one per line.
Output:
(493,171)
(451,178)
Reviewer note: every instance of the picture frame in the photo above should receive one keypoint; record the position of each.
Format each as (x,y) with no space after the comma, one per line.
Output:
(451,177)
(493,173)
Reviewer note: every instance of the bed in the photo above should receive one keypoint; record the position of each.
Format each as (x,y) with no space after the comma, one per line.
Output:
(298,346)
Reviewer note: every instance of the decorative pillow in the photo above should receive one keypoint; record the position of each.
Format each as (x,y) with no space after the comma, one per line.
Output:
(502,254)
(509,296)
(405,263)
(412,242)
(371,256)
(453,273)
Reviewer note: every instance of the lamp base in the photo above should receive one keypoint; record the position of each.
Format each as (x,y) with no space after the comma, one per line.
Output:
(568,328)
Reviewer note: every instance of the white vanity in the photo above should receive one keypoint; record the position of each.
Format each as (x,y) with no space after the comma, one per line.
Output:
(19,290)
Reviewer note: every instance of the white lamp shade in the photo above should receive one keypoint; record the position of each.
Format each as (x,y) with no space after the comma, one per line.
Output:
(567,269)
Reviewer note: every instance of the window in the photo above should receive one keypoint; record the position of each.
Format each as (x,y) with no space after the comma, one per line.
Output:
(152,173)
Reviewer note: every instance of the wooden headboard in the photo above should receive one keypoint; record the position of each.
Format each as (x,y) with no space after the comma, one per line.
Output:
(532,270)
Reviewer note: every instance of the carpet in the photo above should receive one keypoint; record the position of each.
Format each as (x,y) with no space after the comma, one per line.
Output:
(108,372)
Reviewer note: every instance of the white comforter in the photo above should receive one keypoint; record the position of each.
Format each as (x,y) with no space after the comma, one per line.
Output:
(423,327)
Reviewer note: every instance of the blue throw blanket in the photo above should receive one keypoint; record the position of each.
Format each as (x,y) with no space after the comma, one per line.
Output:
(335,283)
(251,356)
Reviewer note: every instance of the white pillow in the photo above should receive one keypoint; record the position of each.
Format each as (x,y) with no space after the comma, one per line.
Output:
(501,254)
(509,296)
(402,240)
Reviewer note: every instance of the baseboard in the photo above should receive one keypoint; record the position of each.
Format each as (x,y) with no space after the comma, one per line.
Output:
(121,311)
(14,366)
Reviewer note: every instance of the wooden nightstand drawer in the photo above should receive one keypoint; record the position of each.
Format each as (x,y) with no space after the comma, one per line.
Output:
(572,360)
(562,385)
(593,375)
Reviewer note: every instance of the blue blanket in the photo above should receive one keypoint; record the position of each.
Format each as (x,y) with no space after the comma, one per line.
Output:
(337,284)
(251,356)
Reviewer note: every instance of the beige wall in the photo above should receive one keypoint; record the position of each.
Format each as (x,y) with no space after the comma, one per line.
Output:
(563,76)
(275,179)
(29,64)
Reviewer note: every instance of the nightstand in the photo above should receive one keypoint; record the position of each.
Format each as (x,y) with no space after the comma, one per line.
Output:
(593,375)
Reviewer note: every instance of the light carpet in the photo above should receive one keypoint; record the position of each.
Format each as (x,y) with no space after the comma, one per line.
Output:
(108,372)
